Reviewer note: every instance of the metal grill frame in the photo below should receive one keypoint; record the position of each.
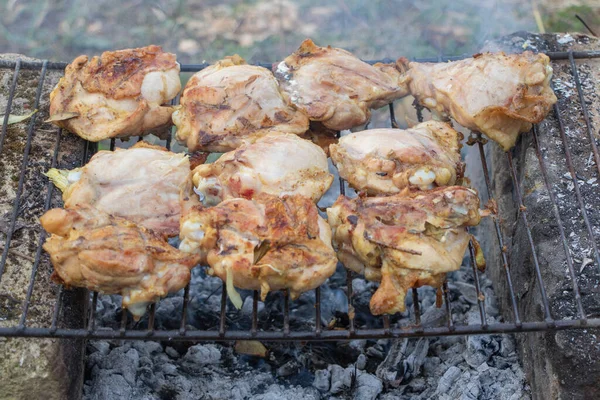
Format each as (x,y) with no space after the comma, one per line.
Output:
(90,331)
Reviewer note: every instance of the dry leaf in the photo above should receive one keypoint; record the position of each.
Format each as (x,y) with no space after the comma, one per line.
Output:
(251,348)
(15,119)
(62,116)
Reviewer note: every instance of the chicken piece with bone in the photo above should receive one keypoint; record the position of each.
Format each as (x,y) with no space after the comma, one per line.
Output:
(268,243)
(497,94)
(333,86)
(143,184)
(231,103)
(119,94)
(405,240)
(91,249)
(385,161)
(275,164)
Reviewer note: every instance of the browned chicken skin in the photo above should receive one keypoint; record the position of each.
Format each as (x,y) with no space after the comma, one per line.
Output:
(405,240)
(497,94)
(231,103)
(119,94)
(92,249)
(142,184)
(385,161)
(335,87)
(268,243)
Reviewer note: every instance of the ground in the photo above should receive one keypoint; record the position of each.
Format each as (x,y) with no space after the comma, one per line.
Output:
(265,30)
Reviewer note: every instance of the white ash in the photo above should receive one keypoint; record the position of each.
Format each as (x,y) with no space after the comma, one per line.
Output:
(475,367)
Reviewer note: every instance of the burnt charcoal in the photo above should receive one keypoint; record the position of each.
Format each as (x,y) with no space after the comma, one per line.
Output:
(322,380)
(447,380)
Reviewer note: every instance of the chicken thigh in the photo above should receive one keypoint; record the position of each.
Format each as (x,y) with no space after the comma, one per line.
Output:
(276,164)
(497,94)
(142,184)
(231,103)
(384,161)
(335,87)
(405,240)
(268,243)
(91,249)
(119,94)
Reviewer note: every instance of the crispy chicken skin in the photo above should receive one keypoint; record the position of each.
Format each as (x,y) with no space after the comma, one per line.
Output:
(142,184)
(405,240)
(268,243)
(275,164)
(108,254)
(385,161)
(118,94)
(231,103)
(497,94)
(333,86)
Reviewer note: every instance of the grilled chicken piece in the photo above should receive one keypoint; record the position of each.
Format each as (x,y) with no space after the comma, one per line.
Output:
(384,161)
(119,94)
(405,240)
(91,249)
(497,94)
(268,243)
(142,184)
(231,103)
(335,87)
(280,165)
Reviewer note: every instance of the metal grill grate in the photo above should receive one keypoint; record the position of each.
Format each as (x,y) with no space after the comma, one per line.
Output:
(320,332)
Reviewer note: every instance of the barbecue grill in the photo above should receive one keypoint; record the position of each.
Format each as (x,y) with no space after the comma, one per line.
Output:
(256,331)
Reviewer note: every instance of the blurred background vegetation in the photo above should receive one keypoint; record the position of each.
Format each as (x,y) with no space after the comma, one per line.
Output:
(268,30)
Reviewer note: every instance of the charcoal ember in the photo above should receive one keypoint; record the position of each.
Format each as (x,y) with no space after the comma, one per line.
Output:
(447,380)
(199,355)
(361,362)
(403,361)
(289,368)
(322,380)
(368,386)
(171,352)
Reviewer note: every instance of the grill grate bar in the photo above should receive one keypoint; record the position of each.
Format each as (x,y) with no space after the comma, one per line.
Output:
(480,295)
(416,306)
(351,311)
(91,320)
(523,213)
(186,300)
(318,311)
(150,330)
(575,181)
(254,312)
(11,94)
(561,229)
(17,202)
(223,309)
(586,115)
(389,329)
(499,236)
(38,253)
(449,322)
(286,312)
(56,312)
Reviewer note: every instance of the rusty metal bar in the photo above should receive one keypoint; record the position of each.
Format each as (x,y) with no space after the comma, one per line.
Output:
(523,213)
(561,229)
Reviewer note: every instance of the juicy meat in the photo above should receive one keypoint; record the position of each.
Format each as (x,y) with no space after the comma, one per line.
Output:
(268,243)
(231,103)
(335,87)
(384,161)
(116,95)
(108,254)
(405,240)
(275,164)
(497,94)
(142,184)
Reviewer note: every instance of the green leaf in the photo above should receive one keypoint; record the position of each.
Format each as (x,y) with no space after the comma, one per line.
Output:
(15,119)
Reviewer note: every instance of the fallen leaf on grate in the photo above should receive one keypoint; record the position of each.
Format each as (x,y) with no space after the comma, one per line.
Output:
(15,119)
(251,348)
(62,116)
